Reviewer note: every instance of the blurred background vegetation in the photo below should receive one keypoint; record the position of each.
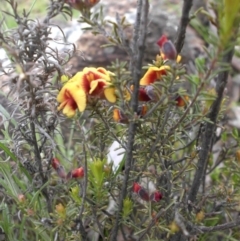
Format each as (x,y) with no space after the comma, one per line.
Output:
(36,8)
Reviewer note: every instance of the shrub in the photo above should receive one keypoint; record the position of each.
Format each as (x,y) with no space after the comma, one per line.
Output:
(136,158)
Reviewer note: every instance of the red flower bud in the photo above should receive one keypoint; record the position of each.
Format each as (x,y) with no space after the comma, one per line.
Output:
(58,167)
(142,193)
(142,95)
(162,40)
(150,91)
(156,196)
(142,110)
(136,187)
(167,48)
(146,93)
(76,173)
(81,4)
(55,163)
(119,116)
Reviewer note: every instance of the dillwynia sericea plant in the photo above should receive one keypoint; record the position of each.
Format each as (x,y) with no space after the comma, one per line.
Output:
(119,152)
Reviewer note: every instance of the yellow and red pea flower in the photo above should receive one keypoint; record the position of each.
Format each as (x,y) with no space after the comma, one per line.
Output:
(120,117)
(181,101)
(71,97)
(91,82)
(153,74)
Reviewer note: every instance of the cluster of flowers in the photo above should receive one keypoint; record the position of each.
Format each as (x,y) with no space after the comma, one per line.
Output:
(156,196)
(97,83)
(75,173)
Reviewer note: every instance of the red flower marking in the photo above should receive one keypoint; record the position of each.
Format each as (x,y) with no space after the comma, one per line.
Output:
(69,100)
(99,88)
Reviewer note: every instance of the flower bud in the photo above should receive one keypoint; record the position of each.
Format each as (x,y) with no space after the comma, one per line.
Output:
(55,163)
(136,187)
(81,4)
(200,216)
(142,110)
(61,210)
(76,173)
(156,196)
(58,168)
(142,193)
(146,93)
(174,228)
(182,100)
(21,198)
(168,49)
(119,116)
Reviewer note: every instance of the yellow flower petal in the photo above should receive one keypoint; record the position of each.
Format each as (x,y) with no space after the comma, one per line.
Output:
(97,87)
(94,74)
(102,70)
(110,95)
(179,58)
(93,86)
(69,111)
(127,94)
(77,77)
(116,115)
(106,72)
(80,98)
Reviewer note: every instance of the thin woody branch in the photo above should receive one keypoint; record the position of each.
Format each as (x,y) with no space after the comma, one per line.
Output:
(137,60)
(187,5)
(207,135)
